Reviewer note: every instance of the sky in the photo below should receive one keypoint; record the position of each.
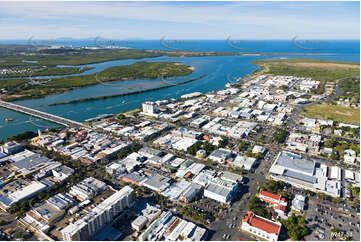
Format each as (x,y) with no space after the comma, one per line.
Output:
(180,20)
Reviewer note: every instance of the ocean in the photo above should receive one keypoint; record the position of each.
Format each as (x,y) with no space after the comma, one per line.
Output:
(218,69)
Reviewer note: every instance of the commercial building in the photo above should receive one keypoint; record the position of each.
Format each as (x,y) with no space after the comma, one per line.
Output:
(134,178)
(11,148)
(29,191)
(298,203)
(199,122)
(182,191)
(139,223)
(277,201)
(302,173)
(349,156)
(349,175)
(271,198)
(150,108)
(261,227)
(244,162)
(143,208)
(221,155)
(49,212)
(220,190)
(336,173)
(157,183)
(231,177)
(27,162)
(87,188)
(99,217)
(172,228)
(204,177)
(258,149)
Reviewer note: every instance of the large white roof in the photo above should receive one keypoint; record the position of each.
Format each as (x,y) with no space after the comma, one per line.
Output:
(27,191)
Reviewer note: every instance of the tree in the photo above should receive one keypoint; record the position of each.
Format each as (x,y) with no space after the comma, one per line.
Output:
(242,145)
(330,143)
(18,235)
(335,156)
(280,135)
(295,226)
(258,207)
(222,143)
(2,222)
(192,150)
(273,186)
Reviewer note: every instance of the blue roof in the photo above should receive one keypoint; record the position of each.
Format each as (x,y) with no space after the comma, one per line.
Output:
(296,163)
(5,200)
(300,176)
(2,155)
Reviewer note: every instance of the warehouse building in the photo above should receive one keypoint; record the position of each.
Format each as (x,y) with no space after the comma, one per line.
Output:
(220,190)
(29,191)
(302,173)
(157,183)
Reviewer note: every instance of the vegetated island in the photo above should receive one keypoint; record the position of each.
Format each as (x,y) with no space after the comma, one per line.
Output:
(36,71)
(128,93)
(20,89)
(343,77)
(16,56)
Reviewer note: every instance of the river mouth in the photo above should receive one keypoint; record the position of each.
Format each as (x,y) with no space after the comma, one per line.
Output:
(217,68)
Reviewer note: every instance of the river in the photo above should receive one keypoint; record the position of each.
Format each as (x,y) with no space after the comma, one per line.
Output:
(219,70)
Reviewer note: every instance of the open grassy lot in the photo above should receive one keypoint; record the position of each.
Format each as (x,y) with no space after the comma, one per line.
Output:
(321,70)
(350,88)
(334,112)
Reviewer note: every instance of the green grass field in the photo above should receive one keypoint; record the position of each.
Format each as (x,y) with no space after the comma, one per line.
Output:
(321,70)
(334,112)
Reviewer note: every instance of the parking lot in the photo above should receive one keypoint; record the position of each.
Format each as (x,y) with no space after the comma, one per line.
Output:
(321,216)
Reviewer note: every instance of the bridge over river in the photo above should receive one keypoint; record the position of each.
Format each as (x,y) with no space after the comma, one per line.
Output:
(43,115)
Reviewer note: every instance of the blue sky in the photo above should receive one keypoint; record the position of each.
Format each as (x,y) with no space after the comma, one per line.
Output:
(180,20)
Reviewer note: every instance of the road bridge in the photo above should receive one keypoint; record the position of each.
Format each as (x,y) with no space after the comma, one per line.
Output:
(43,115)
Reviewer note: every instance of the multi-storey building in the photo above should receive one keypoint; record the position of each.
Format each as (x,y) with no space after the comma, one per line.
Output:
(99,217)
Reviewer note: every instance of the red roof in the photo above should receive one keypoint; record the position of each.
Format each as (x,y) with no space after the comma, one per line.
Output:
(261,223)
(271,195)
(280,207)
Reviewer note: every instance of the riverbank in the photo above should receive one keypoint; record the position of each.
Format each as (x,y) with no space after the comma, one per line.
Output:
(126,94)
(20,90)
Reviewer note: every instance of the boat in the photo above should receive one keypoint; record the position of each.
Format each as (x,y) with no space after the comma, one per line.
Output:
(9,119)
(124,102)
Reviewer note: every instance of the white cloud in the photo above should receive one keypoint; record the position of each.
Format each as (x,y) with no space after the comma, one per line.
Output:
(236,18)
